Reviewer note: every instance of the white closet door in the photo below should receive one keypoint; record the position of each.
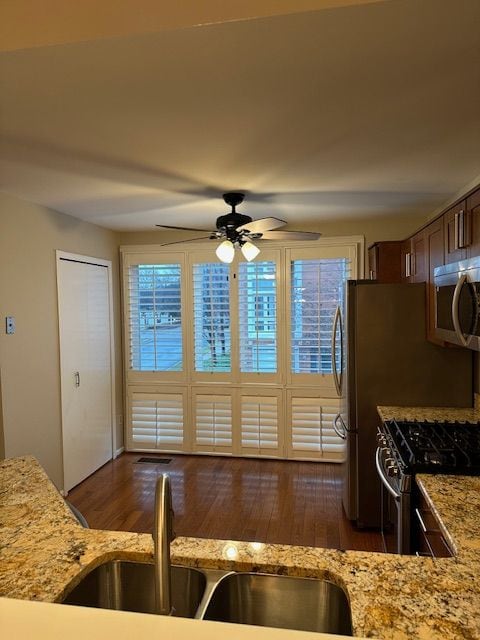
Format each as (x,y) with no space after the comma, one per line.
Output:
(85,355)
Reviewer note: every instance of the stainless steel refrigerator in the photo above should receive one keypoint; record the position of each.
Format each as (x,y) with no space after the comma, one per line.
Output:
(388,361)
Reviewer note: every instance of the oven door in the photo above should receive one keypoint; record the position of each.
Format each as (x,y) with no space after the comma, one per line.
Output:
(395,510)
(457,292)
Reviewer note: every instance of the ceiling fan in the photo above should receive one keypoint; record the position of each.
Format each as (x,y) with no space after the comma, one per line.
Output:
(237,230)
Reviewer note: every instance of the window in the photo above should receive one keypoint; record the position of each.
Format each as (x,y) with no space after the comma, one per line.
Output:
(235,359)
(317,289)
(257,308)
(211,311)
(155,316)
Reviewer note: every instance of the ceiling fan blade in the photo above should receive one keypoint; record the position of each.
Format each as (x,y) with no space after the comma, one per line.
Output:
(290,235)
(261,225)
(164,244)
(167,226)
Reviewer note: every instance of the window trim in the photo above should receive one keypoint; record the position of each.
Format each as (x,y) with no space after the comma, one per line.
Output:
(259,384)
(133,376)
(323,382)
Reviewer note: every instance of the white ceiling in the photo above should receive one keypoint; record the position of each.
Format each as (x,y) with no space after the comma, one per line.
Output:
(349,112)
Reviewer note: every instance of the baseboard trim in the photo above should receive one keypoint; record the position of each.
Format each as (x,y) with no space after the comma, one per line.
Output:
(118,452)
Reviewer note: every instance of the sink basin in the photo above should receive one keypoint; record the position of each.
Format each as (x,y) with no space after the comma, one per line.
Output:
(280,601)
(129,586)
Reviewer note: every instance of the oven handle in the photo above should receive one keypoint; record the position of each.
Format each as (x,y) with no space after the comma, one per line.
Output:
(455,309)
(382,475)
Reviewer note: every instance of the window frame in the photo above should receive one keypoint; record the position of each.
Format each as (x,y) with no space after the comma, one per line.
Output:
(260,377)
(323,382)
(283,383)
(134,376)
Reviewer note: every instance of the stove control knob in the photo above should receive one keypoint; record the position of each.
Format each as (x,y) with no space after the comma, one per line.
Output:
(392,470)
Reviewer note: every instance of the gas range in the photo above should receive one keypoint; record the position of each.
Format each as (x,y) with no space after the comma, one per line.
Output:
(407,448)
(431,447)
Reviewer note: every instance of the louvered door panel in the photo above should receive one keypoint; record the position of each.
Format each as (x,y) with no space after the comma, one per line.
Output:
(213,422)
(156,421)
(311,433)
(260,425)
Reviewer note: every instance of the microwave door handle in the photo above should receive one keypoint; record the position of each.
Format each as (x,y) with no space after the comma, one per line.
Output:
(455,310)
(340,434)
(334,352)
(383,477)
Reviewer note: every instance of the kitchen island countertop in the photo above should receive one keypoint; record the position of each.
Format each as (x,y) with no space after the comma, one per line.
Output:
(430,414)
(44,552)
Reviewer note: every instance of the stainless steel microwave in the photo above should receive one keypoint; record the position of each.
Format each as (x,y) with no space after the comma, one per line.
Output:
(457,294)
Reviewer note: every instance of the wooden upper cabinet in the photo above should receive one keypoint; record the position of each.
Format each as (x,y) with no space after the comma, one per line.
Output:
(434,245)
(406,260)
(418,257)
(473,214)
(457,232)
(384,261)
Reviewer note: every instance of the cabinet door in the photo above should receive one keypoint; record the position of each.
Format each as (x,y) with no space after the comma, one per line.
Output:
(453,220)
(434,244)
(406,261)
(427,537)
(473,213)
(419,258)
(384,261)
(373,261)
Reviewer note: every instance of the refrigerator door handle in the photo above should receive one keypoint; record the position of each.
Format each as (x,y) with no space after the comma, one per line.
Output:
(340,433)
(337,377)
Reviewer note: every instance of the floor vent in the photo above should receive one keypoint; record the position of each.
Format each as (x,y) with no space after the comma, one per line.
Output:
(155,460)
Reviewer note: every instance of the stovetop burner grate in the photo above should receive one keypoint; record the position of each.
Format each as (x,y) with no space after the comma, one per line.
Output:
(436,447)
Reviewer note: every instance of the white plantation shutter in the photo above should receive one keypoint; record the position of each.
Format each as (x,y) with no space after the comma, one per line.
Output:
(213,422)
(156,421)
(257,307)
(259,416)
(317,289)
(211,311)
(234,359)
(154,317)
(312,433)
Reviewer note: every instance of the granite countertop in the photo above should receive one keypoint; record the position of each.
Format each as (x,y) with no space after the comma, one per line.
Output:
(430,414)
(44,552)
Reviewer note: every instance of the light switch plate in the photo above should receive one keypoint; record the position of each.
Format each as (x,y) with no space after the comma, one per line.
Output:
(10,324)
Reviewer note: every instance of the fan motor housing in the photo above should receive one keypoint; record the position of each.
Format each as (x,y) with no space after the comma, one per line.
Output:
(232,221)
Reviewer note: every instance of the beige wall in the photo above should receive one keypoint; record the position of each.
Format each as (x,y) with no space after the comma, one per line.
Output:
(2,441)
(29,359)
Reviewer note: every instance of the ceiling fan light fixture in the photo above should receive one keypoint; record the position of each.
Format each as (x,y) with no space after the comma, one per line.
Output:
(250,251)
(225,251)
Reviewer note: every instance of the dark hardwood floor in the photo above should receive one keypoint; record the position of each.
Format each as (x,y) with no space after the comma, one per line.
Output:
(228,498)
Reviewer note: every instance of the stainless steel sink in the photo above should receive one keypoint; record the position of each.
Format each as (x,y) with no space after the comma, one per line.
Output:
(246,598)
(279,601)
(130,586)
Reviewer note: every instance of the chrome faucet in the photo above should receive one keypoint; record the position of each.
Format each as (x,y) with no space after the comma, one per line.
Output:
(162,536)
